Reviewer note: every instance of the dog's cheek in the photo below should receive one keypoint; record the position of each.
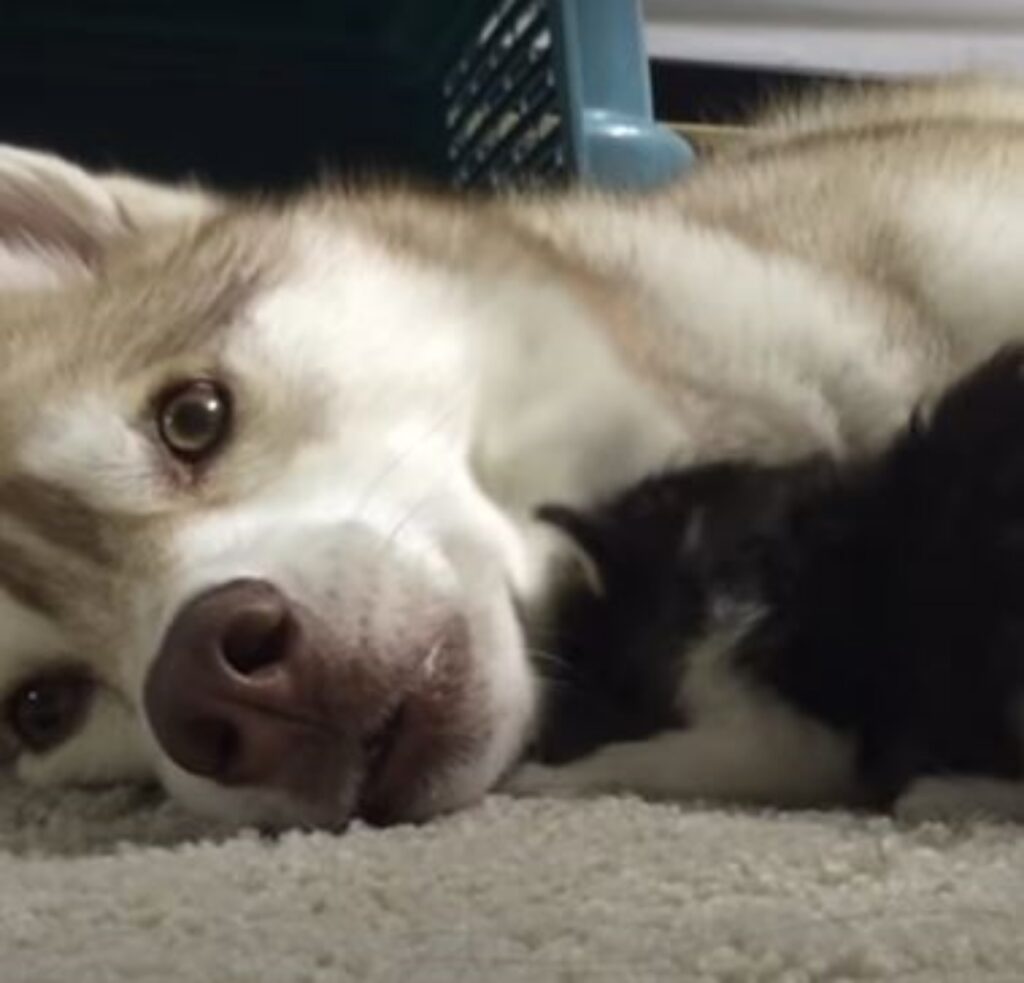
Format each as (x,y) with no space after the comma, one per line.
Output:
(109,748)
(235,807)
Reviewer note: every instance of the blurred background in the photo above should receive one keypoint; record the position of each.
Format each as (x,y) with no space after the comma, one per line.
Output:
(240,92)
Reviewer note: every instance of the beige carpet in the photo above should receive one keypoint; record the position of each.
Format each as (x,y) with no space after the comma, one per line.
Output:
(119,886)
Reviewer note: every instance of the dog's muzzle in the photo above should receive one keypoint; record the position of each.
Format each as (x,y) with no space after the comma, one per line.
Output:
(231,686)
(252,689)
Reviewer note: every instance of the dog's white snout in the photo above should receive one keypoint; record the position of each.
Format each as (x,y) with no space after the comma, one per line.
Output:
(284,680)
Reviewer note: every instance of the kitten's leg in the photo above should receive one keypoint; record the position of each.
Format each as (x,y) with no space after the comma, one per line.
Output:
(961,797)
(784,760)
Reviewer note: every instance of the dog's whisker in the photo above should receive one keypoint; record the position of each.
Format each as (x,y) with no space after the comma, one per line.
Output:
(403,456)
(544,657)
(401,523)
(430,662)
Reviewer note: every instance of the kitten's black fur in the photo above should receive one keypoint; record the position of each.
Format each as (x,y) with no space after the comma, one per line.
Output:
(892,592)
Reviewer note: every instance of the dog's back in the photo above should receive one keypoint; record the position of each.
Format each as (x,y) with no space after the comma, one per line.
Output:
(801,291)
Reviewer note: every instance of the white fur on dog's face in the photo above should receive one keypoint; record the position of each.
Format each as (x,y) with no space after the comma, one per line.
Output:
(396,370)
(356,390)
(385,452)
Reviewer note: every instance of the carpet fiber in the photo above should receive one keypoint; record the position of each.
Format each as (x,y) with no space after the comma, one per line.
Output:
(120,886)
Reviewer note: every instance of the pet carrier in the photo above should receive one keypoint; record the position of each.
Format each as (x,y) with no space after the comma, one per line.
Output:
(470,92)
(552,88)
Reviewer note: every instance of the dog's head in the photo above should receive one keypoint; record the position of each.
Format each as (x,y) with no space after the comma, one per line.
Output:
(242,546)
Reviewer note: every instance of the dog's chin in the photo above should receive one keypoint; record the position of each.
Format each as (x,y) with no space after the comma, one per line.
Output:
(446,733)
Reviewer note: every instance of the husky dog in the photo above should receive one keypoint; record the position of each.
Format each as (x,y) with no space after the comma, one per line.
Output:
(268,470)
(865,619)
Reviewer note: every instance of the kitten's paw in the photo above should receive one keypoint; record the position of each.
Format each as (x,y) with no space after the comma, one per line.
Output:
(960,798)
(533,780)
(927,799)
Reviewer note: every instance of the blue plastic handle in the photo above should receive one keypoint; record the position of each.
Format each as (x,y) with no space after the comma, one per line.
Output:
(616,141)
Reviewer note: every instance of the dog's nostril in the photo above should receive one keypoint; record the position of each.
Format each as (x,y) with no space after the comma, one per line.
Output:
(255,640)
(215,748)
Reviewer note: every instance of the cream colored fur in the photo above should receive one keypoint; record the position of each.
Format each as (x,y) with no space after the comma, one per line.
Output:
(426,371)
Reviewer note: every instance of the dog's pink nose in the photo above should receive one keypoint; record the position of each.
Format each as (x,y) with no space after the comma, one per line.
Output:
(226,696)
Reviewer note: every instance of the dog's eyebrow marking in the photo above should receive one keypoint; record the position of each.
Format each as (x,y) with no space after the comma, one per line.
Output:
(208,281)
(188,325)
(30,581)
(57,515)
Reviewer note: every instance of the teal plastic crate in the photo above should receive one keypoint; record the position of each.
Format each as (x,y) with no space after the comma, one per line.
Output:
(546,89)
(475,93)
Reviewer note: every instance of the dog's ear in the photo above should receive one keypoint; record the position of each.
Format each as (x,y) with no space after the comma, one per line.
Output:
(587,540)
(57,220)
(972,437)
(982,410)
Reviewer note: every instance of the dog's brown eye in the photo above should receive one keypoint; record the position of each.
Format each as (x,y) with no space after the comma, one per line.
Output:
(193,419)
(48,709)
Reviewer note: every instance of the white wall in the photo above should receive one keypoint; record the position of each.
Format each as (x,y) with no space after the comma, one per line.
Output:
(854,36)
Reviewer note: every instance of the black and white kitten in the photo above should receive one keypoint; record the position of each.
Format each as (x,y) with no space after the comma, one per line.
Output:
(805,634)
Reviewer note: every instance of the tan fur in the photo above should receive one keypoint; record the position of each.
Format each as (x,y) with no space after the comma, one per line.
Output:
(434,368)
